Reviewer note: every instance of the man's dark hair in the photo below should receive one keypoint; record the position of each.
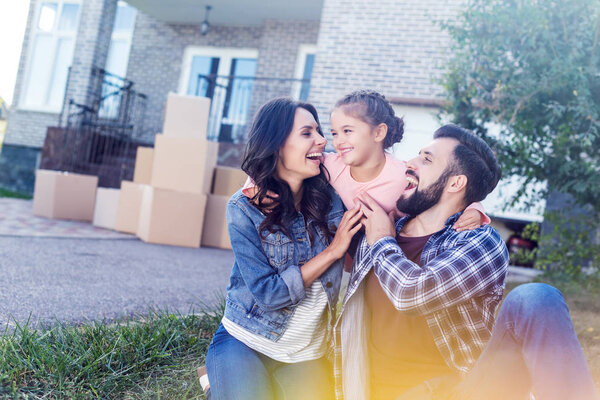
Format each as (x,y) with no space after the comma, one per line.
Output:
(474,159)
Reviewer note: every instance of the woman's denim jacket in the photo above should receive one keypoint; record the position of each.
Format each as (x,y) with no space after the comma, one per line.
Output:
(265,284)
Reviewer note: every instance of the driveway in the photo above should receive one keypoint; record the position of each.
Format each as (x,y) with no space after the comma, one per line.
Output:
(74,273)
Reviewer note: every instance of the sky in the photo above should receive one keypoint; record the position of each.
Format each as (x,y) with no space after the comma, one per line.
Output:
(13,18)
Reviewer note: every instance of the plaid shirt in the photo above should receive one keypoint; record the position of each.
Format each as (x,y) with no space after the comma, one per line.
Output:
(457,290)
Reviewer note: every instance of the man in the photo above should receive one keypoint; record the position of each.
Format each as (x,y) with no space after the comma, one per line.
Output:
(418,317)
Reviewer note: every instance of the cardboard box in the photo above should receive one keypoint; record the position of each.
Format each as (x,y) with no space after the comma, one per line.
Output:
(170,217)
(184,165)
(130,202)
(64,195)
(107,205)
(214,232)
(186,116)
(143,165)
(228,180)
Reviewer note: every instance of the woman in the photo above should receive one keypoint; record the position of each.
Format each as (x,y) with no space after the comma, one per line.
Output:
(288,240)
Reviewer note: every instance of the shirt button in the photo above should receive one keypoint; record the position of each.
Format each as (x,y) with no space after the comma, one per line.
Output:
(328,285)
(332,227)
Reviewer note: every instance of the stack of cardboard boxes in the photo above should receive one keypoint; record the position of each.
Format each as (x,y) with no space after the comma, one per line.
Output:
(165,203)
(226,182)
(178,195)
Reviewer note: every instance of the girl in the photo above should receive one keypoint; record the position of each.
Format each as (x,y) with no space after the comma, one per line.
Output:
(363,126)
(287,271)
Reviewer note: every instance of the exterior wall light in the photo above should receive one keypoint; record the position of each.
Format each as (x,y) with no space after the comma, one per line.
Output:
(205,25)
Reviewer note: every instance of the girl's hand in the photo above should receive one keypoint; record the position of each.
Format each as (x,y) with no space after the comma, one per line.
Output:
(347,228)
(378,224)
(469,220)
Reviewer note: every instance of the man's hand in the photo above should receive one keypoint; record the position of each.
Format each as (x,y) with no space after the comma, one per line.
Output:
(377,223)
(469,220)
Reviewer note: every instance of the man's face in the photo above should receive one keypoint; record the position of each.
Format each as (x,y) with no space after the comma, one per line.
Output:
(427,176)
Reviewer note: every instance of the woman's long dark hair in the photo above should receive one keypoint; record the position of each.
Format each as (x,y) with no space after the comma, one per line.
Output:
(271,127)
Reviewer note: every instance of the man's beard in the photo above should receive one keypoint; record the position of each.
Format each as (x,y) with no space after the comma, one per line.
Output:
(421,201)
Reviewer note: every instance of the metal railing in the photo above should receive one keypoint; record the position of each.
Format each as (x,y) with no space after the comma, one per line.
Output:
(100,136)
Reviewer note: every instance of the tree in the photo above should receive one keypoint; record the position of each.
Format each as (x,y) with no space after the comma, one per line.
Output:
(525,76)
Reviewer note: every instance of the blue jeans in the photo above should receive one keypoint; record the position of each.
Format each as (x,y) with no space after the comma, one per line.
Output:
(534,349)
(237,372)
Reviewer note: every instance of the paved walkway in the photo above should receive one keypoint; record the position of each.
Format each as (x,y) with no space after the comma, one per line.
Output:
(17,219)
(54,270)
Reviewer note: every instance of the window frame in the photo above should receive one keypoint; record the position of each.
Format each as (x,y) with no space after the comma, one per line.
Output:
(56,36)
(303,51)
(226,55)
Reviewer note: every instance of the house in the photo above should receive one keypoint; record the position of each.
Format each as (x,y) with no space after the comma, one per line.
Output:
(233,51)
(3,116)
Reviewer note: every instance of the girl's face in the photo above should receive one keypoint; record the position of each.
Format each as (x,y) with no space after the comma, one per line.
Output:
(300,155)
(353,139)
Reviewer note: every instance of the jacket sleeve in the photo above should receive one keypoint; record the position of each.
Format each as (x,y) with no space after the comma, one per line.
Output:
(270,289)
(476,265)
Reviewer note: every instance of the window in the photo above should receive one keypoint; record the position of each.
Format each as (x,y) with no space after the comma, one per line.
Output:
(53,42)
(120,41)
(117,58)
(304,67)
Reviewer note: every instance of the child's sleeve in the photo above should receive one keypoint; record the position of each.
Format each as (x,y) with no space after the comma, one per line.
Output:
(334,165)
(479,207)
(249,188)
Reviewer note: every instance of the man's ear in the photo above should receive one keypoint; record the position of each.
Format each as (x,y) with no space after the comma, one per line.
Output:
(457,183)
(381,132)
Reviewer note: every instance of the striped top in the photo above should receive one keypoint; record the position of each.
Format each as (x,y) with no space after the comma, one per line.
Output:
(305,337)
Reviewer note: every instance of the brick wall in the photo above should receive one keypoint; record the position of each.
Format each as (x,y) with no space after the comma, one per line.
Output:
(279,46)
(28,128)
(157,51)
(391,46)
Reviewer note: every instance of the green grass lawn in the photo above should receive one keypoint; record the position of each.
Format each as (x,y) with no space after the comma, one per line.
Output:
(149,358)
(156,357)
(8,193)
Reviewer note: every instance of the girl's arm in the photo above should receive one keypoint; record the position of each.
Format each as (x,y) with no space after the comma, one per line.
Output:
(473,217)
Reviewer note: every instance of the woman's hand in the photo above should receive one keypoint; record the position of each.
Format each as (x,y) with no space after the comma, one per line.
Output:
(347,228)
(349,225)
(469,220)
